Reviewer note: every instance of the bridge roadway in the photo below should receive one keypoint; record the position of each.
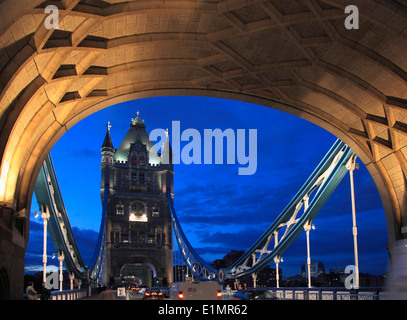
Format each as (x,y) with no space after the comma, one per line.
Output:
(112,295)
(300,293)
(285,293)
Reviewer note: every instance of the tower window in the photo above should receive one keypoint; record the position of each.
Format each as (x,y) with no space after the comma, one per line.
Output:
(156,212)
(142,161)
(119,209)
(138,213)
(134,160)
(138,218)
(137,208)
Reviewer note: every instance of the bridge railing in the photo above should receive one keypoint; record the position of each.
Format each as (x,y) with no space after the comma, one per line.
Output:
(371,293)
(328,294)
(71,294)
(75,294)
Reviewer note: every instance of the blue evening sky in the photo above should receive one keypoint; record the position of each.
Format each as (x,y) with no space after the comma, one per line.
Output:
(220,210)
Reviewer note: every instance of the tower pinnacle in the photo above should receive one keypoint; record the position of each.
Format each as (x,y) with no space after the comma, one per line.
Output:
(137,121)
(107,143)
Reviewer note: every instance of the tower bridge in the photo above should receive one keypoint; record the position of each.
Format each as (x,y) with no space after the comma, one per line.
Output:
(138,215)
(127,253)
(295,56)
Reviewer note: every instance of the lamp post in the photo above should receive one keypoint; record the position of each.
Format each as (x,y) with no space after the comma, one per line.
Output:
(61,258)
(352,165)
(307,228)
(277,261)
(45,218)
(71,279)
(254,274)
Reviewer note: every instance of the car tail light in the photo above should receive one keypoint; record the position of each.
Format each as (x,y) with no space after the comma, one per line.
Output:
(219,294)
(180,295)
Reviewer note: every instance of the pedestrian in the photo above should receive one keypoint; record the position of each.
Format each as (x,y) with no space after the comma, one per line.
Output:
(45,293)
(31,293)
(228,291)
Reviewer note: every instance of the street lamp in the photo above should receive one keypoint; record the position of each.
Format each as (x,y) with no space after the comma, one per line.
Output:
(307,227)
(61,258)
(45,217)
(277,260)
(352,165)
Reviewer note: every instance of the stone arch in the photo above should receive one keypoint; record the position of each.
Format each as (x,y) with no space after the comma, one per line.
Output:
(139,263)
(294,56)
(147,264)
(377,170)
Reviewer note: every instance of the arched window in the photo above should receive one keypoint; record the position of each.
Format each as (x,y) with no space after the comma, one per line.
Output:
(138,212)
(116,234)
(137,208)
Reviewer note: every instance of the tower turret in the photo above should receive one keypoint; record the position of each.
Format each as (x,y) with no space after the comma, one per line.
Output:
(138,242)
(107,148)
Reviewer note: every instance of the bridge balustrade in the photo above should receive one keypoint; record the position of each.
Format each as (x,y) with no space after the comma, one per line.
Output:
(320,293)
(71,294)
(75,294)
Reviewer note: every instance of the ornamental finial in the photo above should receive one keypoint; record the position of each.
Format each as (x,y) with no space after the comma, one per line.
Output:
(137,120)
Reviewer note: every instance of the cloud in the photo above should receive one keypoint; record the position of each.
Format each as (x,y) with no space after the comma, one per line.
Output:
(85,239)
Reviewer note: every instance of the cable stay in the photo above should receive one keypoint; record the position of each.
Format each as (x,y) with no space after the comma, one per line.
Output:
(284,230)
(49,200)
(97,260)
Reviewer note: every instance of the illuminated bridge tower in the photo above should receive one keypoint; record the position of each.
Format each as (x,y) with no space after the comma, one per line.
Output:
(138,222)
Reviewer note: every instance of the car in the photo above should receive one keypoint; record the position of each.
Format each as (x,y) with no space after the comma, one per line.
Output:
(196,290)
(152,294)
(253,295)
(132,288)
(165,291)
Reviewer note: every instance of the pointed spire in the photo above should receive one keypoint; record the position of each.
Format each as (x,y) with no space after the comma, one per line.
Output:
(167,155)
(107,143)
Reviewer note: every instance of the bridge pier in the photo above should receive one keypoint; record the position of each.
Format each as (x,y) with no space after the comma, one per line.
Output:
(13,241)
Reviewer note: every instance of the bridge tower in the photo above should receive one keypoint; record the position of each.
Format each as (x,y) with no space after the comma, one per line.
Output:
(138,227)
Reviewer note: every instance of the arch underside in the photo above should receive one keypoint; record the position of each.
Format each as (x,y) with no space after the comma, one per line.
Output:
(295,56)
